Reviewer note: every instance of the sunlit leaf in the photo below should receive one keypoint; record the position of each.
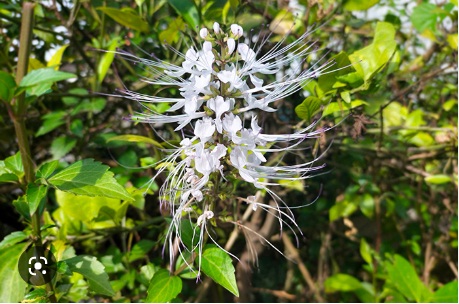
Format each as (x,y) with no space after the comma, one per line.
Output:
(218,265)
(126,17)
(163,287)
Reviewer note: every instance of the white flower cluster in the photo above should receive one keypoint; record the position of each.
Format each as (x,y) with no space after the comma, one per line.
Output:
(218,84)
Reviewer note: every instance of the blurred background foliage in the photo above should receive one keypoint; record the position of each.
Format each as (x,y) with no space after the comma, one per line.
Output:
(383,225)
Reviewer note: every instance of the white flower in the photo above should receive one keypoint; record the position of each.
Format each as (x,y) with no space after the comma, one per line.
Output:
(203,33)
(216,28)
(207,215)
(236,30)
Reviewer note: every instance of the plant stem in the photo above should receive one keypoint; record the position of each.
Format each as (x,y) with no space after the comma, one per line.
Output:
(19,110)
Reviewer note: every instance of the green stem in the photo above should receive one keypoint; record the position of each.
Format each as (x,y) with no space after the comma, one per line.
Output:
(18,116)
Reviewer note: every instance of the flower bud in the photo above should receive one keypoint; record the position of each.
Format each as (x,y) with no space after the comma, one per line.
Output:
(203,33)
(231,45)
(216,27)
(236,30)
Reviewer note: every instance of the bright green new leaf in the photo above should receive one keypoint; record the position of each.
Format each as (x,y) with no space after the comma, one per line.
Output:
(140,250)
(341,282)
(94,273)
(107,59)
(342,66)
(34,195)
(163,287)
(424,17)
(218,266)
(173,31)
(46,169)
(51,121)
(405,279)
(188,10)
(12,286)
(55,60)
(342,209)
(14,163)
(38,295)
(308,108)
(7,86)
(334,107)
(136,138)
(446,294)
(365,251)
(359,5)
(126,17)
(12,238)
(438,179)
(91,178)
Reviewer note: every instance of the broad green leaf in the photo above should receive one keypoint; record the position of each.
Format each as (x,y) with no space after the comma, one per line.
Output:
(163,287)
(61,146)
(342,209)
(46,169)
(12,287)
(446,294)
(452,41)
(7,86)
(218,266)
(342,66)
(44,76)
(55,60)
(94,273)
(127,18)
(35,195)
(87,177)
(189,233)
(140,250)
(438,179)
(136,138)
(359,5)
(187,10)
(14,163)
(12,238)
(367,205)
(341,282)
(38,295)
(173,31)
(308,108)
(405,279)
(94,105)
(22,207)
(107,59)
(334,107)
(424,17)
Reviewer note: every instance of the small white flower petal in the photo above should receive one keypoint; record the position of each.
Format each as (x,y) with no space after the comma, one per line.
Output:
(216,27)
(231,45)
(203,33)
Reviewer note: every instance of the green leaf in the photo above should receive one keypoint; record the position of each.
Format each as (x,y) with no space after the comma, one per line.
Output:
(107,59)
(7,86)
(342,209)
(140,250)
(163,287)
(14,163)
(61,146)
(218,266)
(424,17)
(51,121)
(38,295)
(342,66)
(87,177)
(56,59)
(94,105)
(127,18)
(94,273)
(308,108)
(359,5)
(46,169)
(341,282)
(365,251)
(334,107)
(188,10)
(22,207)
(135,138)
(39,81)
(12,287)
(446,294)
(438,179)
(13,238)
(189,233)
(35,196)
(405,279)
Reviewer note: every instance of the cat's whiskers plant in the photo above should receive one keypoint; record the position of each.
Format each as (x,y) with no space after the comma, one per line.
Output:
(221,83)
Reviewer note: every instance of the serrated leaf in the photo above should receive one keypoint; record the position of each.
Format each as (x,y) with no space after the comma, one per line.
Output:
(13,238)
(12,287)
(446,294)
(87,177)
(34,195)
(163,287)
(135,138)
(94,273)
(218,265)
(405,279)
(47,169)
(44,76)
(127,18)
(140,250)
(38,295)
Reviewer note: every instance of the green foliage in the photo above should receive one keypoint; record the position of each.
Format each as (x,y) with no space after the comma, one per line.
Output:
(12,288)
(163,287)
(217,264)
